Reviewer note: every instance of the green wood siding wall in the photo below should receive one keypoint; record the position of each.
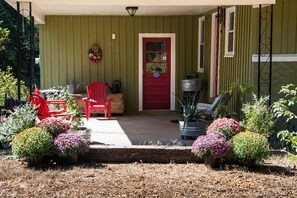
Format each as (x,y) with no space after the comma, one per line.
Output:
(65,40)
(232,69)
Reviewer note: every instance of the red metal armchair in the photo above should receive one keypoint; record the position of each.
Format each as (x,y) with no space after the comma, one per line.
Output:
(97,99)
(43,110)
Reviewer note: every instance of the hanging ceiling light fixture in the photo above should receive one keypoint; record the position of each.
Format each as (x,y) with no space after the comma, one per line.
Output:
(131,10)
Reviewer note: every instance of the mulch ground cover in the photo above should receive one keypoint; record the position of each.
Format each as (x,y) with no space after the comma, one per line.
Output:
(274,178)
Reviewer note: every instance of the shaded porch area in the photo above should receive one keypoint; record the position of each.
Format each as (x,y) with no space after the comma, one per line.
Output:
(142,128)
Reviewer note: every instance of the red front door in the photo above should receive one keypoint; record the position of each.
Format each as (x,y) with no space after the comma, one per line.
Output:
(156,73)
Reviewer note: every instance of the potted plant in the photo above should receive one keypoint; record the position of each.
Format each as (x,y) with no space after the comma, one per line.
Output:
(212,147)
(192,123)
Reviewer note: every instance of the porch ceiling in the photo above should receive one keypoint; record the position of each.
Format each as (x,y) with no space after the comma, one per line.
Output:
(41,8)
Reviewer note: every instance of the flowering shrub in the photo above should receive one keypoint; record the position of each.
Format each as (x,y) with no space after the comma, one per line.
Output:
(22,118)
(33,144)
(215,144)
(249,146)
(54,126)
(228,127)
(70,145)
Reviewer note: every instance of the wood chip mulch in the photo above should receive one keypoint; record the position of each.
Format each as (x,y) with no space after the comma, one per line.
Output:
(271,179)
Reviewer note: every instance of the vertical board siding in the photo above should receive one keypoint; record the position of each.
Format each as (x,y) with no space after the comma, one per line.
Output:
(65,41)
(232,69)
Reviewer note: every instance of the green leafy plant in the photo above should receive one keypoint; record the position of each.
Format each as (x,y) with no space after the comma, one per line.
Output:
(32,144)
(4,33)
(290,138)
(190,111)
(286,108)
(250,146)
(258,117)
(72,107)
(22,118)
(240,91)
(9,88)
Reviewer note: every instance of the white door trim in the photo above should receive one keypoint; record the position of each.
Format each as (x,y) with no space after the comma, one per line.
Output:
(172,69)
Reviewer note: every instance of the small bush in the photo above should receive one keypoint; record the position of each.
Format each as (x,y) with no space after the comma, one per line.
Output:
(22,118)
(54,126)
(214,144)
(229,127)
(71,146)
(32,144)
(258,118)
(72,107)
(249,146)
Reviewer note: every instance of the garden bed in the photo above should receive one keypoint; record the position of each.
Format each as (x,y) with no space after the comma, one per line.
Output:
(275,178)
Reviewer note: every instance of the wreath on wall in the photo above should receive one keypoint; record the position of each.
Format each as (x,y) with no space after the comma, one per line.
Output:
(95,53)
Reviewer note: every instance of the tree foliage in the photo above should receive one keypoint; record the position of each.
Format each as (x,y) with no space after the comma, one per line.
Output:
(8,55)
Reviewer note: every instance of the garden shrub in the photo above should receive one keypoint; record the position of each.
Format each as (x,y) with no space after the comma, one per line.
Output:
(54,126)
(72,107)
(258,118)
(214,144)
(32,144)
(249,146)
(229,127)
(22,118)
(69,145)
(285,108)
(9,87)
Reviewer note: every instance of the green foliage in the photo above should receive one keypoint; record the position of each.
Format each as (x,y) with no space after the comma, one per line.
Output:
(240,90)
(8,56)
(32,144)
(248,146)
(4,32)
(72,107)
(222,109)
(290,138)
(9,87)
(190,109)
(257,116)
(284,108)
(22,118)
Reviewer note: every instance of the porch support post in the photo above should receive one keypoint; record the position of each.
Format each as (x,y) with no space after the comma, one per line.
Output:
(32,58)
(18,66)
(270,63)
(265,52)
(259,51)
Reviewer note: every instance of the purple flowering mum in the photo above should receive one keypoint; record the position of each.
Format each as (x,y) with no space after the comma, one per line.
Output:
(71,145)
(215,144)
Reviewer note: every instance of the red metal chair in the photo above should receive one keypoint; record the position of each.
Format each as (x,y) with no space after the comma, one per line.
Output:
(97,99)
(43,111)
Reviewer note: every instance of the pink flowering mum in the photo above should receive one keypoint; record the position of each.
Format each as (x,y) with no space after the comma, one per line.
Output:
(71,145)
(229,127)
(214,144)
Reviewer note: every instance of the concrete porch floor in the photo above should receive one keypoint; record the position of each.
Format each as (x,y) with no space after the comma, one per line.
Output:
(143,128)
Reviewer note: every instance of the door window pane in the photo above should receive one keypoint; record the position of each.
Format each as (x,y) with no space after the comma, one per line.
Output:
(156,57)
(156,46)
(156,67)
